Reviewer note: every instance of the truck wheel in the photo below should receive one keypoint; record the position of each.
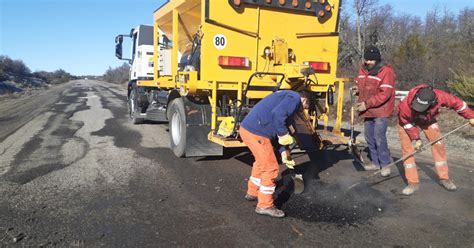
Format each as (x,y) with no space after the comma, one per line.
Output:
(177,127)
(133,108)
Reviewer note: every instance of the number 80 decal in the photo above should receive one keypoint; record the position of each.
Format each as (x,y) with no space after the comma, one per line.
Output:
(219,41)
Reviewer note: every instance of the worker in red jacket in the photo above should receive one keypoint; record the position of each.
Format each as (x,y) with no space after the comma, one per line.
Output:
(375,86)
(419,110)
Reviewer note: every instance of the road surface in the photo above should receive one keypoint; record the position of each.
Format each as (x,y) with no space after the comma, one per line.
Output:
(75,172)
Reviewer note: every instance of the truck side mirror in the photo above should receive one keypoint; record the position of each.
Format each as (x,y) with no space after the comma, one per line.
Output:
(118,46)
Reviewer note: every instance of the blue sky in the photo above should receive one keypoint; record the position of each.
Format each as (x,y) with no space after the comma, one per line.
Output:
(421,7)
(78,35)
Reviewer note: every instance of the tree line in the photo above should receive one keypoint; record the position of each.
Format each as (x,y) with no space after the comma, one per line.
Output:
(437,50)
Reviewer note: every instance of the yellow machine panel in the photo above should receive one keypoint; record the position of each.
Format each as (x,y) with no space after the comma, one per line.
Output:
(235,52)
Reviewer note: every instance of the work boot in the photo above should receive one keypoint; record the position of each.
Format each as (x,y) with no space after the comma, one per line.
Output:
(410,189)
(385,171)
(273,212)
(371,166)
(448,185)
(250,197)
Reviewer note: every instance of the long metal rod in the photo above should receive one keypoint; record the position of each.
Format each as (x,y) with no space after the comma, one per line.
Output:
(352,141)
(352,118)
(413,153)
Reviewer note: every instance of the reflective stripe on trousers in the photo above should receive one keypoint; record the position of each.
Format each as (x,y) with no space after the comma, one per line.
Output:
(411,173)
(438,151)
(264,169)
(267,190)
(256,181)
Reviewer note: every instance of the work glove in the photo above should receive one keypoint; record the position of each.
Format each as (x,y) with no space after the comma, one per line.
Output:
(471,121)
(289,163)
(418,144)
(361,107)
(355,90)
(286,140)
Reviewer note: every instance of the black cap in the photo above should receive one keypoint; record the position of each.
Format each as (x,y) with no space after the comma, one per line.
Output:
(372,53)
(424,98)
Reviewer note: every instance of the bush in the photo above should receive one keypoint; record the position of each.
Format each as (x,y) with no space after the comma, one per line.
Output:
(10,67)
(464,86)
(20,75)
(118,75)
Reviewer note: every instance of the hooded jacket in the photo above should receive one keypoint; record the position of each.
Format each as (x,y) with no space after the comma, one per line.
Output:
(377,89)
(410,119)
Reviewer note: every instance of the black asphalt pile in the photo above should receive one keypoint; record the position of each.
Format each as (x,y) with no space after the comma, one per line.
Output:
(329,203)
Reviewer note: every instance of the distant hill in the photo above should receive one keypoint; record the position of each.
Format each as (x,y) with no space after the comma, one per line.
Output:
(15,76)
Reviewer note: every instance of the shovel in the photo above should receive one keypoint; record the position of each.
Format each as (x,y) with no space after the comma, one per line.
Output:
(352,141)
(409,155)
(297,178)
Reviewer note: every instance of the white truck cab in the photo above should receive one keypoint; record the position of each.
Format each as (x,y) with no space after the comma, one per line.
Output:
(141,57)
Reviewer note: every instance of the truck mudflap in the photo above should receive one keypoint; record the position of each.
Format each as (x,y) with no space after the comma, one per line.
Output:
(198,126)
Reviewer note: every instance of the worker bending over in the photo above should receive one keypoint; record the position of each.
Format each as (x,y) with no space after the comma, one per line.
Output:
(420,109)
(269,118)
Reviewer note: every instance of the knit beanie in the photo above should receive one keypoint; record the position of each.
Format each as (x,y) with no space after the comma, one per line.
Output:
(372,53)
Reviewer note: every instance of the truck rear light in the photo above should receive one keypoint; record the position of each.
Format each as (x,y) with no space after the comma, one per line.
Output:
(232,61)
(319,66)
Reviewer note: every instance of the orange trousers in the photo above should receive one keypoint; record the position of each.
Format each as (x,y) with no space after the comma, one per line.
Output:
(438,151)
(264,170)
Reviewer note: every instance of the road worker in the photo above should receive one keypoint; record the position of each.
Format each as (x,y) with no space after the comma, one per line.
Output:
(419,110)
(269,119)
(375,86)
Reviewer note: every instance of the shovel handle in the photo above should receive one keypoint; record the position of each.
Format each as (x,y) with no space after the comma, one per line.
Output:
(288,152)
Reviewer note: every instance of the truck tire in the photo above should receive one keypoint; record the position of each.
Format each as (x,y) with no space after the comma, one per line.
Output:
(133,108)
(177,127)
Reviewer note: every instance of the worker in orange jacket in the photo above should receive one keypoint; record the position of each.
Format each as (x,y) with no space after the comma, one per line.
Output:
(269,119)
(419,110)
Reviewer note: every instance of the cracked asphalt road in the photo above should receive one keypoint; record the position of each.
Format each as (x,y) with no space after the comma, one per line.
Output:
(75,172)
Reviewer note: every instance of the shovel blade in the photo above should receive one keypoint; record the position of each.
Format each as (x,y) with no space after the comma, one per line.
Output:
(356,153)
(299,183)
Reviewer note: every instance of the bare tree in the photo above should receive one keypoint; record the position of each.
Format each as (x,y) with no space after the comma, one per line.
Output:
(362,8)
(421,50)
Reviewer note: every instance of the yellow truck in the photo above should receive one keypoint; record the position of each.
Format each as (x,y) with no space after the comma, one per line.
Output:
(204,64)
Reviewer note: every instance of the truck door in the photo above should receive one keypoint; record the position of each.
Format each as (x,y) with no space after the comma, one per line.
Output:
(134,53)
